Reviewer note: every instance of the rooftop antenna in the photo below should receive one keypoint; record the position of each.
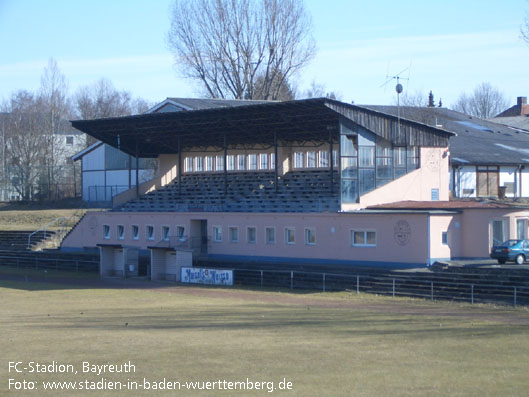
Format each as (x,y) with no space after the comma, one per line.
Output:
(398,88)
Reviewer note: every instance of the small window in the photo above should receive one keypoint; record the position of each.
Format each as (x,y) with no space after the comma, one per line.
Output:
(188,164)
(335,159)
(252,161)
(435,194)
(310,236)
(290,235)
(241,162)
(263,161)
(270,233)
(217,234)
(135,232)
(121,232)
(364,238)
(209,164)
(199,164)
(219,163)
(106,231)
(272,161)
(234,234)
(311,159)
(69,140)
(181,233)
(444,238)
(166,233)
(251,235)
(230,160)
(298,160)
(323,159)
(150,232)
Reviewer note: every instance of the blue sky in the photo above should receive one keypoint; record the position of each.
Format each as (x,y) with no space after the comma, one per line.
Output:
(452,46)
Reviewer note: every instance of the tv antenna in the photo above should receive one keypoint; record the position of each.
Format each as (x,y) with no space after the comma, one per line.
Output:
(398,88)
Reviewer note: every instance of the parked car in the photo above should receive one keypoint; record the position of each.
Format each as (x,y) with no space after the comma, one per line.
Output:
(511,250)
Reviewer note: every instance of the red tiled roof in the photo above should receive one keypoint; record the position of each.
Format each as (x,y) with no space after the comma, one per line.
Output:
(440,205)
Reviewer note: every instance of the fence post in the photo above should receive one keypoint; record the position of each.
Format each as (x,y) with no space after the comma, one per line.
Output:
(261,279)
(357,284)
(514,296)
(472,293)
(323,282)
(291,280)
(393,287)
(431,290)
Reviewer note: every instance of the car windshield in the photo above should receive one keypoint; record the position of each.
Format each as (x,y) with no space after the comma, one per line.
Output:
(510,243)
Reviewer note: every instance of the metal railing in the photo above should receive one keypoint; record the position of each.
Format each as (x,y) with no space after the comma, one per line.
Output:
(389,285)
(58,264)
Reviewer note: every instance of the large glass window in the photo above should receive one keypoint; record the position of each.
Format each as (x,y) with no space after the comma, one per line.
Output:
(349,171)
(521,229)
(413,158)
(209,163)
(384,172)
(349,191)
(219,163)
(199,162)
(349,145)
(272,161)
(188,164)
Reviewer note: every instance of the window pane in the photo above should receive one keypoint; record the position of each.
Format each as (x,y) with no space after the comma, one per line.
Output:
(520,229)
(323,159)
(384,149)
(384,168)
(497,232)
(371,238)
(241,162)
(349,167)
(231,162)
(298,160)
(349,191)
(366,157)
(311,159)
(349,145)
(251,234)
(367,181)
(399,157)
(359,238)
(219,163)
(270,235)
(263,161)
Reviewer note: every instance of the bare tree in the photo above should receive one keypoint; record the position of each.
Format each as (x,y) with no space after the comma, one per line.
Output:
(485,102)
(55,106)
(524,30)
(415,99)
(317,90)
(230,45)
(25,139)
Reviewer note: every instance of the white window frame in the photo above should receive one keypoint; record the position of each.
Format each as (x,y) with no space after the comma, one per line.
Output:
(254,241)
(150,236)
(199,163)
(311,159)
(364,231)
(120,232)
(178,236)
(188,164)
(241,162)
(323,159)
(263,161)
(106,232)
(135,228)
(298,160)
(272,161)
(208,163)
(217,234)
(287,233)
(310,231)
(166,232)
(230,160)
(219,163)
(230,230)
(252,161)
(267,228)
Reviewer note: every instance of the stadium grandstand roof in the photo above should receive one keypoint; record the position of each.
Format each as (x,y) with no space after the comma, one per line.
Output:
(151,134)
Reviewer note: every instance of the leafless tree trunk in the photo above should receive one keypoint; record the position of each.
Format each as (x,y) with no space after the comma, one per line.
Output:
(485,102)
(230,45)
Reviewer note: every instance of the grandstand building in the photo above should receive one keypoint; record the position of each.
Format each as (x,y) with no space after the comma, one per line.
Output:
(308,181)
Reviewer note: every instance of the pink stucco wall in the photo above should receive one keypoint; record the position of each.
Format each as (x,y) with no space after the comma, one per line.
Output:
(400,238)
(417,185)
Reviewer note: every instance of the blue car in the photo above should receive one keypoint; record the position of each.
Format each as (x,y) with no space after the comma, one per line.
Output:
(511,251)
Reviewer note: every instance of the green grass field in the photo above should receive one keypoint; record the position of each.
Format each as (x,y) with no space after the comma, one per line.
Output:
(332,344)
